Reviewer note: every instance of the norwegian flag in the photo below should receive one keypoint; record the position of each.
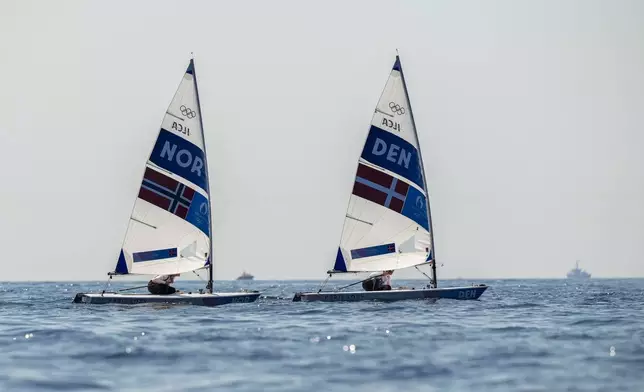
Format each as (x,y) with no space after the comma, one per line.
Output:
(167,193)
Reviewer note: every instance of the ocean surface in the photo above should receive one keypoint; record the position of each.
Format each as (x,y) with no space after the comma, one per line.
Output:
(522,335)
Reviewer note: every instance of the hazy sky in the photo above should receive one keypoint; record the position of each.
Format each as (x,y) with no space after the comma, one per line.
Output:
(530,115)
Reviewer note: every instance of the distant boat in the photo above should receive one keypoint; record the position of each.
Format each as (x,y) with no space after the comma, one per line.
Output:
(169,230)
(577,273)
(245,276)
(387,223)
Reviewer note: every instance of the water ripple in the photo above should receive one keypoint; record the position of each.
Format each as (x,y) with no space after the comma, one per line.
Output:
(522,336)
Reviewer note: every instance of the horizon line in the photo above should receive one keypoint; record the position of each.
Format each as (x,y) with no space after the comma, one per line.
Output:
(317,279)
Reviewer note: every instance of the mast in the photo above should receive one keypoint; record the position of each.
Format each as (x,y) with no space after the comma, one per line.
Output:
(205,158)
(422,165)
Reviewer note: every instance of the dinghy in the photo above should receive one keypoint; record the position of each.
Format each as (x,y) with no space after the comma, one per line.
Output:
(388,224)
(169,230)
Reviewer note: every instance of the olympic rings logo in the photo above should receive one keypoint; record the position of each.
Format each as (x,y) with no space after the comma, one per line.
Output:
(187,112)
(395,108)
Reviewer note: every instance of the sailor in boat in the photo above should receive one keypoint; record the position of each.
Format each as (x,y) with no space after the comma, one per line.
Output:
(161,284)
(378,281)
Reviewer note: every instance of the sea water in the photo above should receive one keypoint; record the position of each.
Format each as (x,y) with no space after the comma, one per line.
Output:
(522,335)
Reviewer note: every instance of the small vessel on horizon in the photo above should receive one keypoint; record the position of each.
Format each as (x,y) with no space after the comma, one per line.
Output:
(245,276)
(577,273)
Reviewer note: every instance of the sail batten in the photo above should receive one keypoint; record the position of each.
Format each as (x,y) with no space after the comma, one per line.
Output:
(169,228)
(387,225)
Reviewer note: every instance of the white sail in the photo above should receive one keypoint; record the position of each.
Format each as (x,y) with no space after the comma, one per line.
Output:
(387,224)
(169,229)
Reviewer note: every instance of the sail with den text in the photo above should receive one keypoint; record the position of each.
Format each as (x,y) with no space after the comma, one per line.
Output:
(393,153)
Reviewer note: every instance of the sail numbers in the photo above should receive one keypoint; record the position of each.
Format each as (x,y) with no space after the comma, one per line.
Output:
(391,124)
(180,128)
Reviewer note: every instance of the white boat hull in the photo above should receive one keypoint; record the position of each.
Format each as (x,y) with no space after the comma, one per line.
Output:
(460,293)
(213,299)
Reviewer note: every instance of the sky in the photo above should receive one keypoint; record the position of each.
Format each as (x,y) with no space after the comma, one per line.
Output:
(530,116)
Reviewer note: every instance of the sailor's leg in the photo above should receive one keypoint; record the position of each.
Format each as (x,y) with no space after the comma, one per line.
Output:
(154,288)
(165,289)
(160,289)
(368,285)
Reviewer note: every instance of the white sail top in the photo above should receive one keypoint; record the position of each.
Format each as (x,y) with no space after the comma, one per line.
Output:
(169,229)
(387,223)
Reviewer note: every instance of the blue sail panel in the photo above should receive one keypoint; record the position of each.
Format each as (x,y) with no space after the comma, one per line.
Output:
(415,207)
(340,265)
(199,213)
(121,265)
(177,155)
(397,66)
(393,153)
(158,254)
(371,251)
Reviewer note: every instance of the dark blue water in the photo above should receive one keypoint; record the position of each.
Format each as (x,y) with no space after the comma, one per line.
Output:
(523,335)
